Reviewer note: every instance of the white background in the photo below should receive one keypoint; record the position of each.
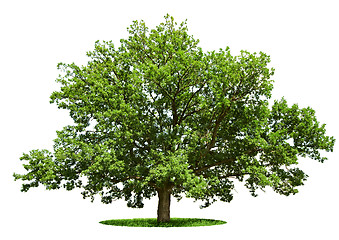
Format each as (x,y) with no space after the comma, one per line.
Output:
(301,38)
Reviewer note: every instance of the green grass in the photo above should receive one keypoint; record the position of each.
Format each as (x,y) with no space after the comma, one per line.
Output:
(152,222)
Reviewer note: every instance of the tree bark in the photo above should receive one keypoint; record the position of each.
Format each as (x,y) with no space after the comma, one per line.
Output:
(164,196)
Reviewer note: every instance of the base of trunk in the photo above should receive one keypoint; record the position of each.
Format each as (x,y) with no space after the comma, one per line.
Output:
(164,195)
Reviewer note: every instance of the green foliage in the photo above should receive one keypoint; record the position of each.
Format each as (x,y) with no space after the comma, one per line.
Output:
(158,111)
(152,222)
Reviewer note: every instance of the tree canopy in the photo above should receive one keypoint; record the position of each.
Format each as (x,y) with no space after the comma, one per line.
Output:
(159,116)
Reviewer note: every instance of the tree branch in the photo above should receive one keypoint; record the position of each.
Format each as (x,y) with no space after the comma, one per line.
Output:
(233,175)
(147,148)
(127,178)
(183,76)
(224,161)
(214,164)
(215,130)
(174,111)
(157,119)
(165,91)
(187,104)
(190,114)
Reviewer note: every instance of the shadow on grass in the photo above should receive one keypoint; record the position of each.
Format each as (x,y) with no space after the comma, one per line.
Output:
(152,222)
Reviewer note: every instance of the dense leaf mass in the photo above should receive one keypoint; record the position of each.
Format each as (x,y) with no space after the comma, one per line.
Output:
(159,111)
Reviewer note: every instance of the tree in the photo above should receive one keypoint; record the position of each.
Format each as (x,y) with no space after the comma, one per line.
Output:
(158,116)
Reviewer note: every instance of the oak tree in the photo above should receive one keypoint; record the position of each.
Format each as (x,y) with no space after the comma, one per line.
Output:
(159,116)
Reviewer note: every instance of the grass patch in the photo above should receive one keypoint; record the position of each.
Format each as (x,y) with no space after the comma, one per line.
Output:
(152,222)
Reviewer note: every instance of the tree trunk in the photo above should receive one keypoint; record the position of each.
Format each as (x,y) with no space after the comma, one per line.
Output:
(164,195)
